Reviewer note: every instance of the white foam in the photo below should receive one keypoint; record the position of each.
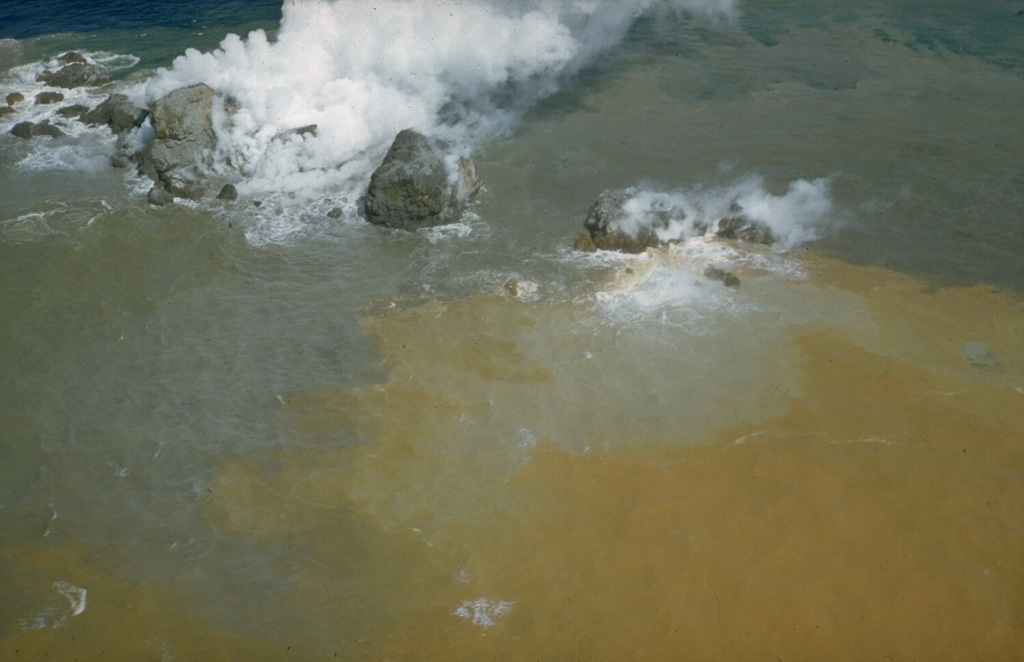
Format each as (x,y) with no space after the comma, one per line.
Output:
(483,612)
(363,71)
(75,596)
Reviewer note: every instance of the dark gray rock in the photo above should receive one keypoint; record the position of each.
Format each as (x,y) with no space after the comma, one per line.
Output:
(411,188)
(335,213)
(15,97)
(228,192)
(184,138)
(29,130)
(118,113)
(76,74)
(5,111)
(158,196)
(76,110)
(46,98)
(23,130)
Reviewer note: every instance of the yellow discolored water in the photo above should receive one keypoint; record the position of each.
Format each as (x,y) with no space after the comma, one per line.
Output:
(845,483)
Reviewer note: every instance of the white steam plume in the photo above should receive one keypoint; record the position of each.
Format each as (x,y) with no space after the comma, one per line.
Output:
(361,71)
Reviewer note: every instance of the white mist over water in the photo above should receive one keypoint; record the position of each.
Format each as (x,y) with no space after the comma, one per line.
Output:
(363,71)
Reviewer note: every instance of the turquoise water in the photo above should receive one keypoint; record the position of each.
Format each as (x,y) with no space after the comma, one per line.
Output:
(248,426)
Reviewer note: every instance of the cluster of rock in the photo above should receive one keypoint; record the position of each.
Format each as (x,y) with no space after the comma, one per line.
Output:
(608,227)
(420,183)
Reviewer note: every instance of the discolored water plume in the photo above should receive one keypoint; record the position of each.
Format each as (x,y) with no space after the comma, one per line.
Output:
(496,498)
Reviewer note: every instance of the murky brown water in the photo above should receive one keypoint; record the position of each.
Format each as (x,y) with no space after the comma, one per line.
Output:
(874,512)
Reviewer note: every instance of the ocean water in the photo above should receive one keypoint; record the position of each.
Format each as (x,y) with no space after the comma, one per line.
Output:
(258,430)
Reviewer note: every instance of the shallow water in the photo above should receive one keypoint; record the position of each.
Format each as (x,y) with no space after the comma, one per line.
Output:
(234,431)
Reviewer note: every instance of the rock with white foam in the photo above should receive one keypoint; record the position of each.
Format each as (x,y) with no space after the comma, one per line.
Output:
(418,186)
(76,72)
(620,220)
(609,227)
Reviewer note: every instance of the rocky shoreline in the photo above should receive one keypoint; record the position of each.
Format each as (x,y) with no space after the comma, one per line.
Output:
(421,182)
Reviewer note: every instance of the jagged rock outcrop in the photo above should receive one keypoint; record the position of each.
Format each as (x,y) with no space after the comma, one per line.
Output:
(413,187)
(184,138)
(118,113)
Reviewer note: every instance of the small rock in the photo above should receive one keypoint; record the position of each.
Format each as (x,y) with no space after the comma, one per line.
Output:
(228,192)
(73,111)
(48,97)
(727,278)
(158,196)
(120,160)
(15,97)
(5,111)
(512,287)
(335,213)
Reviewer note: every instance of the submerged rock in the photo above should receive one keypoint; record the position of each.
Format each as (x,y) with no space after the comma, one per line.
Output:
(727,278)
(76,74)
(118,113)
(72,57)
(412,189)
